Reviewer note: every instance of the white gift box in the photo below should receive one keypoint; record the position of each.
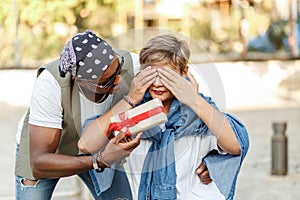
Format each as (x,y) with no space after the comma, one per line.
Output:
(140,118)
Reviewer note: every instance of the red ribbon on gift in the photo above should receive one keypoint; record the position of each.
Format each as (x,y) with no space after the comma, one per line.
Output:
(129,122)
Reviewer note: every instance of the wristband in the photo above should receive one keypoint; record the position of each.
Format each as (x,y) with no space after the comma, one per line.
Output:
(95,164)
(126,98)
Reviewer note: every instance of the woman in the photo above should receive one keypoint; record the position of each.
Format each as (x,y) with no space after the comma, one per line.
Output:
(195,127)
(163,165)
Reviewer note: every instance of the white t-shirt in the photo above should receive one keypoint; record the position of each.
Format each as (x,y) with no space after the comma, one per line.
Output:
(189,152)
(45,104)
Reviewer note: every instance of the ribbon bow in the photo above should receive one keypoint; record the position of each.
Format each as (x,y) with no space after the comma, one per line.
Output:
(126,122)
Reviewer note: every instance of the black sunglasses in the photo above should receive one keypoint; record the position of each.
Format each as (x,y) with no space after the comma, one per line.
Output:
(110,82)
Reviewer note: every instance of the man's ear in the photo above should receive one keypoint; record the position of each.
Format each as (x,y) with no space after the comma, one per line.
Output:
(185,71)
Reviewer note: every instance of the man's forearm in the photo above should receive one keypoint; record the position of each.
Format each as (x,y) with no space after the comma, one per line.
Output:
(51,165)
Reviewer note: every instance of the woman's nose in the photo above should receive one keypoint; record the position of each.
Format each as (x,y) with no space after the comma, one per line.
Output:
(157,81)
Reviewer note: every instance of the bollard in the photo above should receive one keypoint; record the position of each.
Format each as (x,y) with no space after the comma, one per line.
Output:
(279,149)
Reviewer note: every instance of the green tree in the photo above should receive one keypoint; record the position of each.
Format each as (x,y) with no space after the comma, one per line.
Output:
(44,25)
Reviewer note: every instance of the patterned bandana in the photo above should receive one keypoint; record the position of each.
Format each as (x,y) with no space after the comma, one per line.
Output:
(86,56)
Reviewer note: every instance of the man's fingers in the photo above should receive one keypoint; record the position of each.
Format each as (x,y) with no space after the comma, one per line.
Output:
(138,136)
(203,174)
(121,135)
(204,177)
(135,142)
(125,142)
(127,139)
(206,181)
(201,168)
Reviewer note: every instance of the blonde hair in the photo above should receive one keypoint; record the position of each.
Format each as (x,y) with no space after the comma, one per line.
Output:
(166,49)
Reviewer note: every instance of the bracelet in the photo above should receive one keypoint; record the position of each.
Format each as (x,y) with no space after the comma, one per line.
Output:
(126,98)
(95,164)
(102,160)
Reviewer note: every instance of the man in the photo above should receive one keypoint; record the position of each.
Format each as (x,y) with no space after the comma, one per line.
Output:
(57,110)
(66,93)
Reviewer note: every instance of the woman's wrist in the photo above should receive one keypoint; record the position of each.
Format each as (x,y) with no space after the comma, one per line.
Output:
(197,105)
(129,101)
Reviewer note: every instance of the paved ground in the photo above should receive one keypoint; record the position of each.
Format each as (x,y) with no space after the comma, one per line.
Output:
(254,182)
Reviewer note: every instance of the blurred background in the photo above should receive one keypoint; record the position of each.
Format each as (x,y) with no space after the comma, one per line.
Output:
(33,30)
(253,45)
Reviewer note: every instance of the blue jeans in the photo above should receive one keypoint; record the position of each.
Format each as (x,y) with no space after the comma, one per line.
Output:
(43,189)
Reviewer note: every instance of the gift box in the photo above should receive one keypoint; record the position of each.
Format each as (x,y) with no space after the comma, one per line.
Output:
(140,118)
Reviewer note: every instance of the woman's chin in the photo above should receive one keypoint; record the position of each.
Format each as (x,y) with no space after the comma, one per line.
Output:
(158,97)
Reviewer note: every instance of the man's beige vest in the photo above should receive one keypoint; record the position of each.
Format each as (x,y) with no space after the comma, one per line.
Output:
(71,125)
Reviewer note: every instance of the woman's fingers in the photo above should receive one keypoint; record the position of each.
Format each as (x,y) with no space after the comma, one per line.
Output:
(185,91)
(168,75)
(145,76)
(140,83)
(193,81)
(169,78)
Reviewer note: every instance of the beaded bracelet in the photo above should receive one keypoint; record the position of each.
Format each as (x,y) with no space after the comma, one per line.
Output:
(102,160)
(126,98)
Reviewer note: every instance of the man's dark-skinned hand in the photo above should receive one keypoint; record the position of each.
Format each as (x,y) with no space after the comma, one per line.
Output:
(203,174)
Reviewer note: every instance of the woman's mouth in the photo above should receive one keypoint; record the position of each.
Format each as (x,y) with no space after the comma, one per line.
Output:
(158,92)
